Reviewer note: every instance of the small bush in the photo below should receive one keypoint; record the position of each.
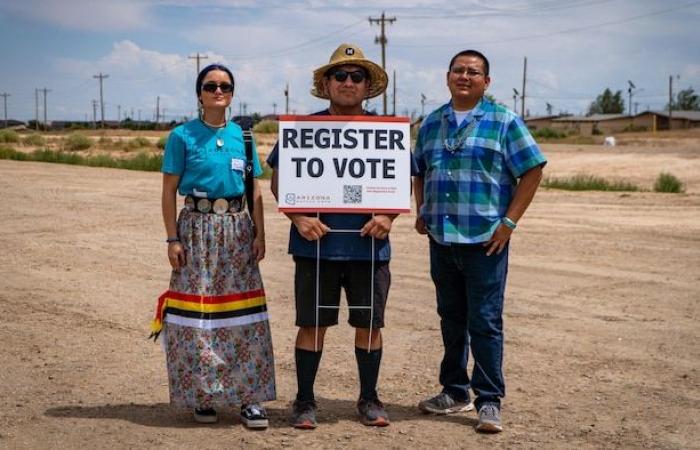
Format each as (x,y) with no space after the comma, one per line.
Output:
(77,141)
(105,141)
(631,128)
(266,126)
(161,142)
(34,139)
(584,182)
(668,183)
(138,143)
(9,137)
(548,133)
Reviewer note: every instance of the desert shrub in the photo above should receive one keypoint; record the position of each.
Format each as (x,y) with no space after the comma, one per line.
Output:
(631,128)
(138,143)
(105,141)
(77,141)
(9,137)
(548,133)
(266,126)
(668,183)
(585,182)
(34,139)
(161,142)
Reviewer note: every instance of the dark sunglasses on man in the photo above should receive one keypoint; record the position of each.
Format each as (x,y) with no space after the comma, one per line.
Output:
(357,76)
(226,88)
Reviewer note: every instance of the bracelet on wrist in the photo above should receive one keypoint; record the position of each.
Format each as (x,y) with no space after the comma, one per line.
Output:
(170,240)
(507,221)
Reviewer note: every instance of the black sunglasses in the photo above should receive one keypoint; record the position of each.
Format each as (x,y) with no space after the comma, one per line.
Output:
(356,76)
(212,87)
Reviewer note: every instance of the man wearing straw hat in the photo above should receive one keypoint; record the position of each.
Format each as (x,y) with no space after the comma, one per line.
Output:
(345,257)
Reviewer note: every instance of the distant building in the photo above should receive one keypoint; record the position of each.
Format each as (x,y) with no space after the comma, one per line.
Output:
(11,123)
(616,123)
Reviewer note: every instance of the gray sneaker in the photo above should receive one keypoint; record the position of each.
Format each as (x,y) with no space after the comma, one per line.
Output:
(304,414)
(489,418)
(372,413)
(443,404)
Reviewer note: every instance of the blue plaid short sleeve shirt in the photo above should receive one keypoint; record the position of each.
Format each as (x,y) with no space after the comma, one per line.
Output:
(470,171)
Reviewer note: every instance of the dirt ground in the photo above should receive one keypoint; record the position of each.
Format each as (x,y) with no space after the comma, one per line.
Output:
(601,318)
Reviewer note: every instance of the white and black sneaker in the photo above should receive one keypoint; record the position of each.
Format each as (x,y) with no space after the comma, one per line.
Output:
(254,416)
(207,415)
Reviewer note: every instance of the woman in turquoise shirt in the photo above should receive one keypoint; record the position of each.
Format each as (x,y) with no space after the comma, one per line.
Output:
(214,317)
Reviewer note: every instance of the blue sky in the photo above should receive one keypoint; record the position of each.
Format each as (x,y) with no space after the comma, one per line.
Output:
(575,49)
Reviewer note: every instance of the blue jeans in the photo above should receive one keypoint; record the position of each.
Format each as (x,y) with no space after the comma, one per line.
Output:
(469,287)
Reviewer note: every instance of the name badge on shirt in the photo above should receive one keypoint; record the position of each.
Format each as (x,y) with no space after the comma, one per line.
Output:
(237,164)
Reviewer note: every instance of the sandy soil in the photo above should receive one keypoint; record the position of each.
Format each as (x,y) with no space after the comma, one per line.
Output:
(602,309)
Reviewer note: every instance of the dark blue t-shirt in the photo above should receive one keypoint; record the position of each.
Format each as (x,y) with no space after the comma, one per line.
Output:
(339,246)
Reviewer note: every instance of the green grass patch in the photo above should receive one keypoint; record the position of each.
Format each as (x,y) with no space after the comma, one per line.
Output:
(34,139)
(9,137)
(76,142)
(141,161)
(585,182)
(668,183)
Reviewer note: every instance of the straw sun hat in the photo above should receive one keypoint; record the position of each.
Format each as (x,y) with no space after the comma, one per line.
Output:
(351,54)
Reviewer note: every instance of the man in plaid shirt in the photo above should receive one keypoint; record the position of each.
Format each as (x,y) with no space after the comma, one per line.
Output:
(479,170)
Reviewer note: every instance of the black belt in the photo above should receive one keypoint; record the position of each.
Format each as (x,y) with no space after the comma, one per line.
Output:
(221,205)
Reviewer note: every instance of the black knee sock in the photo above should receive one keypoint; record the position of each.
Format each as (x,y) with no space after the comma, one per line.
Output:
(368,366)
(307,366)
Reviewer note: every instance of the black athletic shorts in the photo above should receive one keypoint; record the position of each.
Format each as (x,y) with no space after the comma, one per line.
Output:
(355,277)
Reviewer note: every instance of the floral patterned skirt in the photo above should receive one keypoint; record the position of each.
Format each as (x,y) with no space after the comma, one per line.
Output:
(215,326)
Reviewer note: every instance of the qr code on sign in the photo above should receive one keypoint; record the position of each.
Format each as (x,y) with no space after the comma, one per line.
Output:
(352,193)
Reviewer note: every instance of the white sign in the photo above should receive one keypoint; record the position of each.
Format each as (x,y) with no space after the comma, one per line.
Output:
(344,164)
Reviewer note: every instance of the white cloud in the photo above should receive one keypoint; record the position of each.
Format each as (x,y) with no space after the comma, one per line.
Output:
(87,15)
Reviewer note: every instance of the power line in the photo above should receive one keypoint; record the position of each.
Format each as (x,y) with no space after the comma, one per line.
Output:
(568,30)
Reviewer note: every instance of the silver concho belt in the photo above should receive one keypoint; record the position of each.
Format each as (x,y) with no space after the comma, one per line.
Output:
(217,206)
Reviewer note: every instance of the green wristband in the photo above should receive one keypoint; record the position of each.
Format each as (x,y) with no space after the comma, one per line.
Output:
(509,223)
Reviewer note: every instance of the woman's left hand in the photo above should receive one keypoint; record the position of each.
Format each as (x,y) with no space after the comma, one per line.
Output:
(259,248)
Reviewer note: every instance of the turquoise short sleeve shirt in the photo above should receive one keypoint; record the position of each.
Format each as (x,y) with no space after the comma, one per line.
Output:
(210,161)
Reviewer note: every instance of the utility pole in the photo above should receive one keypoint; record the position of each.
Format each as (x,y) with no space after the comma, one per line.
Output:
(630,92)
(157,110)
(245,109)
(393,111)
(422,105)
(274,109)
(515,100)
(4,96)
(286,99)
(670,100)
(198,57)
(36,103)
(46,122)
(119,113)
(94,114)
(101,77)
(381,39)
(522,98)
